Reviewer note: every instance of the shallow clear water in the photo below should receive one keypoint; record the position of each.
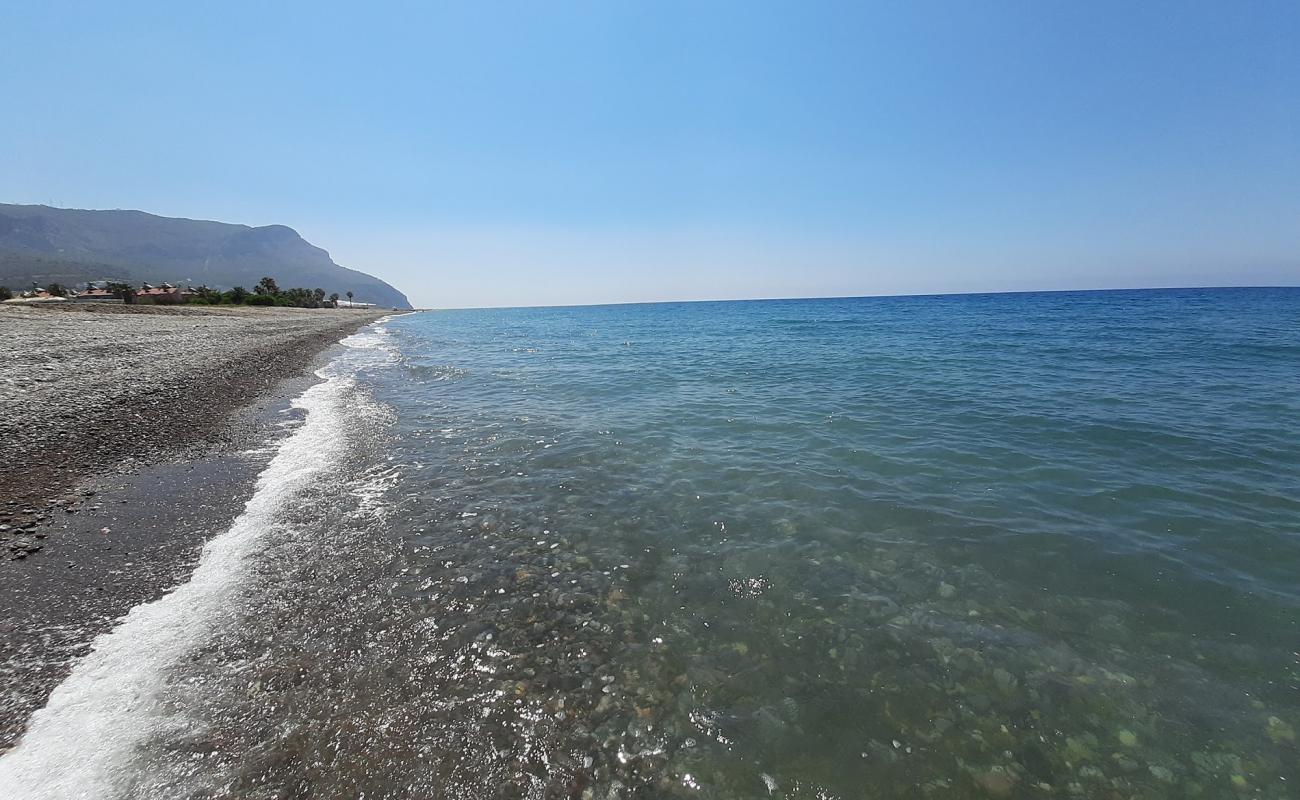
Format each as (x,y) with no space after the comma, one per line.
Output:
(1012,545)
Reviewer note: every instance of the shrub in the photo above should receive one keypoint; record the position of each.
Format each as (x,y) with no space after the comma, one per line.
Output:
(260,300)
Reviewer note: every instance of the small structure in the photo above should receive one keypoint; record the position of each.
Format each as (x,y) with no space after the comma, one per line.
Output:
(165,294)
(97,295)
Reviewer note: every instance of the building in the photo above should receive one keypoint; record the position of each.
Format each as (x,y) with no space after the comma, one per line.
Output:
(166,294)
(97,295)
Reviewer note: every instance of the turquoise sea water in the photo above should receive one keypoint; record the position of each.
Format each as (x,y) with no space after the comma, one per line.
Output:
(1029,545)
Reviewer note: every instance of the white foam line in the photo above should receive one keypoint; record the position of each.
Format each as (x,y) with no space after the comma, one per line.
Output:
(81,743)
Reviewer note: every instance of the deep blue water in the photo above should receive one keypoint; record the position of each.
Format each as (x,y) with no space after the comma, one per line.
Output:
(1021,545)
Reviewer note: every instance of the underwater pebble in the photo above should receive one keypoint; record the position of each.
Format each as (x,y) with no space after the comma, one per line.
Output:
(1279,731)
(1161,773)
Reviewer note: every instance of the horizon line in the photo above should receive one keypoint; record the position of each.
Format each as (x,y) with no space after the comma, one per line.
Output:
(863,297)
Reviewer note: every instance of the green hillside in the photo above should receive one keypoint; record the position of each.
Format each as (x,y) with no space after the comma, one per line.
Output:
(40,244)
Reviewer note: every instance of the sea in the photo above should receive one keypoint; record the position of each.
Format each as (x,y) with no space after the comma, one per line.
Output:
(1012,545)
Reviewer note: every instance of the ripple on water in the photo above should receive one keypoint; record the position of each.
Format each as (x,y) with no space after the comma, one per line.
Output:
(897,547)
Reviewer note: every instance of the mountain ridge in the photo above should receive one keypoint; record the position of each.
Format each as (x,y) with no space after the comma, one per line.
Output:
(43,244)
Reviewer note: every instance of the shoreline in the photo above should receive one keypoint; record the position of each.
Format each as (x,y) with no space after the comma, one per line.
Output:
(90,389)
(121,521)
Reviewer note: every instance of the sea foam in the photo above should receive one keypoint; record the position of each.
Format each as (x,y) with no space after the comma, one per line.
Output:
(80,745)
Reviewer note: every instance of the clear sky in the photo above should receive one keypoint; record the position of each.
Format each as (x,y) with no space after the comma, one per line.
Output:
(485,153)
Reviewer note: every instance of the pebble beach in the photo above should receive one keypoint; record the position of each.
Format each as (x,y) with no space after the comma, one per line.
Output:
(851,549)
(87,387)
(104,502)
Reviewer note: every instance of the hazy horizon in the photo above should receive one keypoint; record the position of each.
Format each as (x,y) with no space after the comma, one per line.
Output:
(705,300)
(608,154)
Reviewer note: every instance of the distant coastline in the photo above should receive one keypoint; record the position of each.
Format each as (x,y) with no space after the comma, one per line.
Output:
(41,245)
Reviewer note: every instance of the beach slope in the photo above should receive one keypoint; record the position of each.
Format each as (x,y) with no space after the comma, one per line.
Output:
(86,388)
(104,500)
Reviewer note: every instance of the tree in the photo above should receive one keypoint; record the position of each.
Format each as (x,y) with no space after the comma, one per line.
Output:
(57,290)
(123,290)
(267,286)
(319,296)
(334,297)
(349,298)
(6,293)
(206,295)
(238,295)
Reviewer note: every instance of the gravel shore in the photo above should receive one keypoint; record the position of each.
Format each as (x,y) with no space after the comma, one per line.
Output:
(86,389)
(104,500)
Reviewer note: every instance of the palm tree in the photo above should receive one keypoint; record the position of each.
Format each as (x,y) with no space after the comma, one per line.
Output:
(349,298)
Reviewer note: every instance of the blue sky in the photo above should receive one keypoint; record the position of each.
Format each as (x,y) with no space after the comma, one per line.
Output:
(546,153)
